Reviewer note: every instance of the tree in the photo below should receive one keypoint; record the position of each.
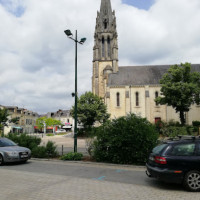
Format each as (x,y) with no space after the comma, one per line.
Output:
(3,119)
(41,121)
(15,120)
(90,109)
(180,89)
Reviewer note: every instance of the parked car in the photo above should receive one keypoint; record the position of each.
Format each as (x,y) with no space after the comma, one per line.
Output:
(11,152)
(61,131)
(177,161)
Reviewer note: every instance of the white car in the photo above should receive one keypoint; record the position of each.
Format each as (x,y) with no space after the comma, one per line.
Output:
(61,131)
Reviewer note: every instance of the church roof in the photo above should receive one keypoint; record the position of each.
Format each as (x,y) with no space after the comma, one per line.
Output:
(141,75)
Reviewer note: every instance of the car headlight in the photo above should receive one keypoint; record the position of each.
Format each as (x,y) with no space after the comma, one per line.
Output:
(12,153)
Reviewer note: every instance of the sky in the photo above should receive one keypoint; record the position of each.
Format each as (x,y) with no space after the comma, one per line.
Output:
(37,59)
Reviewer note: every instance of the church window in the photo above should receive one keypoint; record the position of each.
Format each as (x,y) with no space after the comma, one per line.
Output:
(103,47)
(156,95)
(109,50)
(118,99)
(105,24)
(137,98)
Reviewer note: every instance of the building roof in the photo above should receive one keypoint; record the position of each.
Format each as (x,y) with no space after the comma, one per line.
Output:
(59,113)
(141,75)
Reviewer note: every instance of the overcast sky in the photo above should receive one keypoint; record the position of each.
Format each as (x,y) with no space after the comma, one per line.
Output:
(37,59)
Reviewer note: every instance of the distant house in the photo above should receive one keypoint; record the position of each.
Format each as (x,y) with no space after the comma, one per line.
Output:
(26,123)
(64,117)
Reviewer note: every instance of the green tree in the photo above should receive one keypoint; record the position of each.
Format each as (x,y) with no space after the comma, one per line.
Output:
(180,88)
(15,120)
(40,122)
(90,109)
(3,119)
(48,121)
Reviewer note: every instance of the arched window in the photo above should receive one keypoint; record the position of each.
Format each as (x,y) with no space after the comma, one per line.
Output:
(137,98)
(105,24)
(156,95)
(103,47)
(118,98)
(109,50)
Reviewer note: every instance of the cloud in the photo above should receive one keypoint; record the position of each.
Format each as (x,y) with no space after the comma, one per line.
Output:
(37,59)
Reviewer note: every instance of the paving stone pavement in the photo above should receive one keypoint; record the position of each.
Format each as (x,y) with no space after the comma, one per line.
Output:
(20,185)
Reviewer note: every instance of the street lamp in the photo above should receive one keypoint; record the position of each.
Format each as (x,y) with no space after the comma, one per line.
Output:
(70,35)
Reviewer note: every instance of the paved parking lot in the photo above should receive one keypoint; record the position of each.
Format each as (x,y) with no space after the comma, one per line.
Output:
(50,180)
(65,143)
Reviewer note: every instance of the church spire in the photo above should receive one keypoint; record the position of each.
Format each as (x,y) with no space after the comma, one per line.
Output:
(106,8)
(105,51)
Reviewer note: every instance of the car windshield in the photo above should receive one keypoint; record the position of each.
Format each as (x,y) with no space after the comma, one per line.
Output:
(159,148)
(4,142)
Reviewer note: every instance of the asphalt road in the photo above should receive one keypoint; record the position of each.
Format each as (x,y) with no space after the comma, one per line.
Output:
(40,179)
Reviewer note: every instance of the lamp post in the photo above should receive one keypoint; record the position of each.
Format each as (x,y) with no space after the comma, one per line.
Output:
(69,35)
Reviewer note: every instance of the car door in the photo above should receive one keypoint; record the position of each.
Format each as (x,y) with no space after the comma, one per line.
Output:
(197,160)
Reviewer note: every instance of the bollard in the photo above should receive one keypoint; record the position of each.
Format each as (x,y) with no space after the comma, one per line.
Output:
(62,150)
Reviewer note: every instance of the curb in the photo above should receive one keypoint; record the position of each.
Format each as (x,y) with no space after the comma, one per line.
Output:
(89,163)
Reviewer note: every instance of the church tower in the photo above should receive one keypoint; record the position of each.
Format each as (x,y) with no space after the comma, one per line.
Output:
(105,51)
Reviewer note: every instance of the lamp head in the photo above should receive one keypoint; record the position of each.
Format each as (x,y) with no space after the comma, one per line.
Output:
(68,32)
(73,94)
(82,40)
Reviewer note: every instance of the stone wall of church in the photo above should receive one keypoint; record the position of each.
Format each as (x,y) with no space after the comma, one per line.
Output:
(194,114)
(122,100)
(102,66)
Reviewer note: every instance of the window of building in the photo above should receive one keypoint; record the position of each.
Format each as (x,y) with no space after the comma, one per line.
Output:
(137,98)
(103,47)
(105,24)
(118,99)
(156,95)
(109,50)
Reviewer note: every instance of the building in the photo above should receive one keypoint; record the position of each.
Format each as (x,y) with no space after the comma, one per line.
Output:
(64,117)
(128,89)
(26,123)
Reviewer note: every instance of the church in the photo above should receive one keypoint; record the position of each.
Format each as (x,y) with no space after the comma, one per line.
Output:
(128,89)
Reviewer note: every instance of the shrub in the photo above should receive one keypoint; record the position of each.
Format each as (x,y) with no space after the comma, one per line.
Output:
(33,142)
(196,123)
(39,152)
(49,134)
(51,149)
(173,131)
(72,156)
(25,140)
(126,140)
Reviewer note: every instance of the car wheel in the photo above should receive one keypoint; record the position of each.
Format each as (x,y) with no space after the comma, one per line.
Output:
(1,160)
(192,181)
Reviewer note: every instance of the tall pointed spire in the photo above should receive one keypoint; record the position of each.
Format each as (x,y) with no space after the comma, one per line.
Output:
(106,8)
(105,51)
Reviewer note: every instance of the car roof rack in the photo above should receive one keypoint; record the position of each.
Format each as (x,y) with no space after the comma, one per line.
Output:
(184,137)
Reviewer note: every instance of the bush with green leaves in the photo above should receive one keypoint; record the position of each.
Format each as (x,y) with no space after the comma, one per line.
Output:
(49,134)
(196,123)
(25,140)
(126,140)
(72,156)
(39,152)
(48,151)
(173,131)
(33,142)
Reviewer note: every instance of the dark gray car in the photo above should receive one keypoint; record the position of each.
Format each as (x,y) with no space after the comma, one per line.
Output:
(11,152)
